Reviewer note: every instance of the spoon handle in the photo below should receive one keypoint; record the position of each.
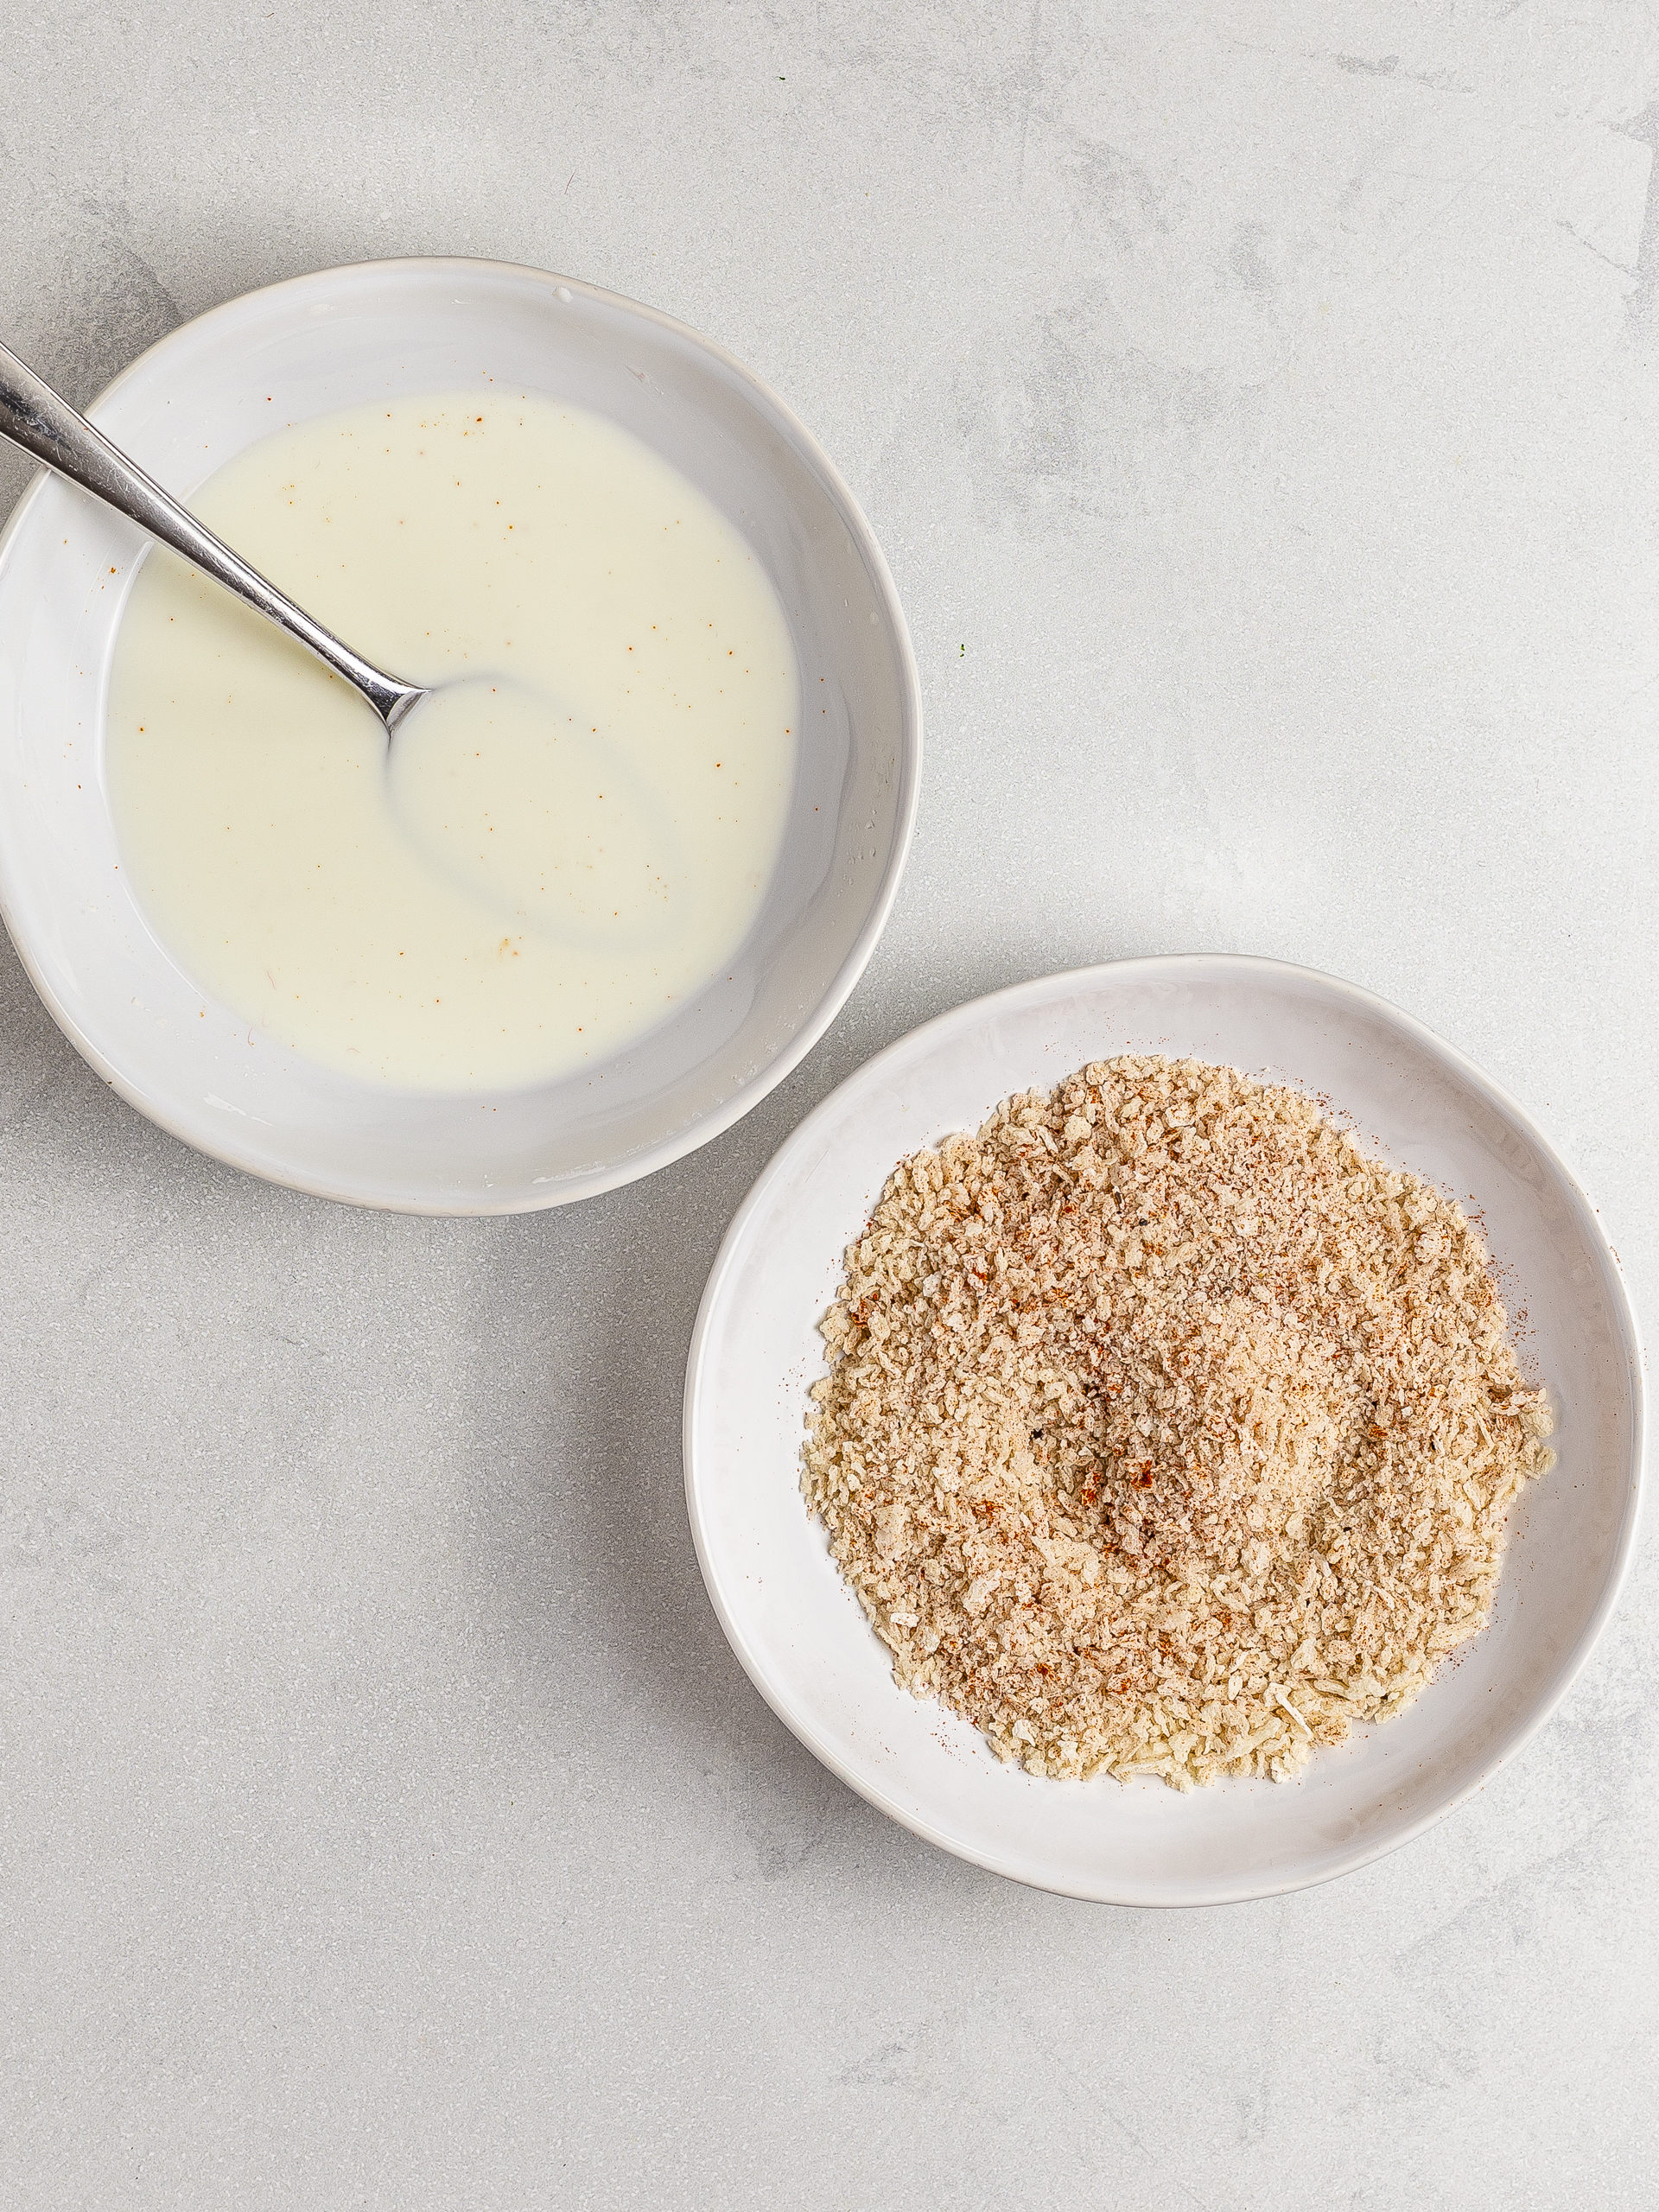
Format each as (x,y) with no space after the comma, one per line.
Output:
(33,417)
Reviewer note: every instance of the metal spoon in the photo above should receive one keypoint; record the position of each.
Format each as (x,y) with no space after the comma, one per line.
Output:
(33,417)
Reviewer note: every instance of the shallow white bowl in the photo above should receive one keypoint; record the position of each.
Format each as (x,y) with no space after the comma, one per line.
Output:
(803,1636)
(331,340)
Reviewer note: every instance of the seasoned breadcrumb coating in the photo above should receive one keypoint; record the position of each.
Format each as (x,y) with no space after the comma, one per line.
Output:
(1164,1432)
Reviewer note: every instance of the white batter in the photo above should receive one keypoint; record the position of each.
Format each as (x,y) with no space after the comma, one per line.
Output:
(559,849)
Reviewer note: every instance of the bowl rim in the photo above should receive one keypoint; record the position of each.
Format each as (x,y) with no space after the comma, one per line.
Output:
(1056,984)
(746,1095)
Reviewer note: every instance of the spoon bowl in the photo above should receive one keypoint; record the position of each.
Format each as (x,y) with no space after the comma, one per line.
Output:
(505,793)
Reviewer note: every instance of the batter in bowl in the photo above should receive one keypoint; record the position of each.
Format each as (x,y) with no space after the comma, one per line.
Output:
(559,851)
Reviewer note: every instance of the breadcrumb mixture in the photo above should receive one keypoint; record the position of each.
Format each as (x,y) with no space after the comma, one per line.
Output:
(1164,1431)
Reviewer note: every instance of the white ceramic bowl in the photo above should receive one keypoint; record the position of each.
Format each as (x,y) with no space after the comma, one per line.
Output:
(331,340)
(801,1633)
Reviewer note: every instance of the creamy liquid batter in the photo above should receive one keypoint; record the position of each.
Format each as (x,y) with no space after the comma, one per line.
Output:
(559,849)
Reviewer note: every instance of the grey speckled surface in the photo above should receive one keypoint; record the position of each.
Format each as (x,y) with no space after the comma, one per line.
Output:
(1260,407)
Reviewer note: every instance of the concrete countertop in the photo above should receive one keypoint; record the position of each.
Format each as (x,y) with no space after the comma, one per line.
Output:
(1259,407)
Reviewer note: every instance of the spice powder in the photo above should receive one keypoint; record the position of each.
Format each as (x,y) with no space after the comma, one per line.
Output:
(1164,1431)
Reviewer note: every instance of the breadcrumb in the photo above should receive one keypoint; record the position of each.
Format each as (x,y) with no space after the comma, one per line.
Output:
(1164,1432)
